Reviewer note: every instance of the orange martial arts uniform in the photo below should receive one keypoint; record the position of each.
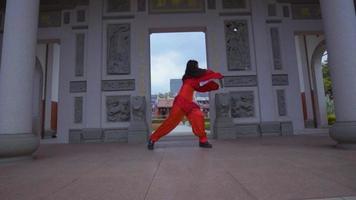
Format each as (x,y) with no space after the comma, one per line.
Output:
(183,105)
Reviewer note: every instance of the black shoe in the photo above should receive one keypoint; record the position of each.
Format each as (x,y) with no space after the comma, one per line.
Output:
(150,145)
(205,145)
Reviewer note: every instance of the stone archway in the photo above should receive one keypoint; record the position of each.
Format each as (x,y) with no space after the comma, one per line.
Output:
(317,78)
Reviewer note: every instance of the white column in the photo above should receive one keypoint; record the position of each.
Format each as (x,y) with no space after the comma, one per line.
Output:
(93,100)
(264,68)
(340,30)
(16,77)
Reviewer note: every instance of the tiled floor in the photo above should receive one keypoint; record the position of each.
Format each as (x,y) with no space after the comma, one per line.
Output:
(339,198)
(275,168)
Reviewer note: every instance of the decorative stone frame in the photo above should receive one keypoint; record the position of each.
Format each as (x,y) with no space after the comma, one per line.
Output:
(73,75)
(73,124)
(253,70)
(202,9)
(278,105)
(133,5)
(247,120)
(2,19)
(106,76)
(104,122)
(219,5)
(284,67)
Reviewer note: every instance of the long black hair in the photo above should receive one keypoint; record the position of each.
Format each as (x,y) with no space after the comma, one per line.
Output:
(192,70)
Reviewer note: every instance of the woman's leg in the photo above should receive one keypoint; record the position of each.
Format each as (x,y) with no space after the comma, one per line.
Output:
(175,116)
(196,119)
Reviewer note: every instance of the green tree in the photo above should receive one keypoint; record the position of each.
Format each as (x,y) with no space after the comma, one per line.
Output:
(327,80)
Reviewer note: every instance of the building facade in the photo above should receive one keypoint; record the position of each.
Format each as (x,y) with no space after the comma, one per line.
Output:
(268,50)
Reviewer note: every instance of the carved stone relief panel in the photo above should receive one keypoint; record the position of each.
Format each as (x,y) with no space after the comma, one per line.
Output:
(2,16)
(222,103)
(118,85)
(78,110)
(240,81)
(66,17)
(306,11)
(276,48)
(50,19)
(176,6)
(141,5)
(118,49)
(77,86)
(118,5)
(242,104)
(138,108)
(234,4)
(79,54)
(286,12)
(118,108)
(81,16)
(272,10)
(82,2)
(280,80)
(237,45)
(281,100)
(211,4)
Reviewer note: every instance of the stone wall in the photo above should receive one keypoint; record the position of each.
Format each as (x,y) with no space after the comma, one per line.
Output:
(105,60)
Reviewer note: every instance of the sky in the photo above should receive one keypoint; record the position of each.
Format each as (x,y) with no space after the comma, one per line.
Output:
(169,55)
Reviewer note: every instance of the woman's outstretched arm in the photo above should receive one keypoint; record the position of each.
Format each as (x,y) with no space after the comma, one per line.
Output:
(209,74)
(210,86)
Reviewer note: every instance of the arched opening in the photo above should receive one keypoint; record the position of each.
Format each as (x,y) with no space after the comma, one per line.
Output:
(170,50)
(46,88)
(315,81)
(323,96)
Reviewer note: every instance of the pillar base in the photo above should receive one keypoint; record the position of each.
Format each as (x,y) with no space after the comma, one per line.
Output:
(345,134)
(18,146)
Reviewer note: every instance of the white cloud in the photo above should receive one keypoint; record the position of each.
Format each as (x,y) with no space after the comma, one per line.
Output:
(165,66)
(169,55)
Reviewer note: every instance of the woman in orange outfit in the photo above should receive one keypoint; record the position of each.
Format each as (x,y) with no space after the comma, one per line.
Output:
(184,106)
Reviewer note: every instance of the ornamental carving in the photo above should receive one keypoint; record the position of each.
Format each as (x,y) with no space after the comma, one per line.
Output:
(118,108)
(81,16)
(211,4)
(118,85)
(276,49)
(237,45)
(281,100)
(66,17)
(2,16)
(118,49)
(306,11)
(141,5)
(78,110)
(77,86)
(138,105)
(79,54)
(242,104)
(280,80)
(50,19)
(176,6)
(240,81)
(234,4)
(118,6)
(222,103)
(272,10)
